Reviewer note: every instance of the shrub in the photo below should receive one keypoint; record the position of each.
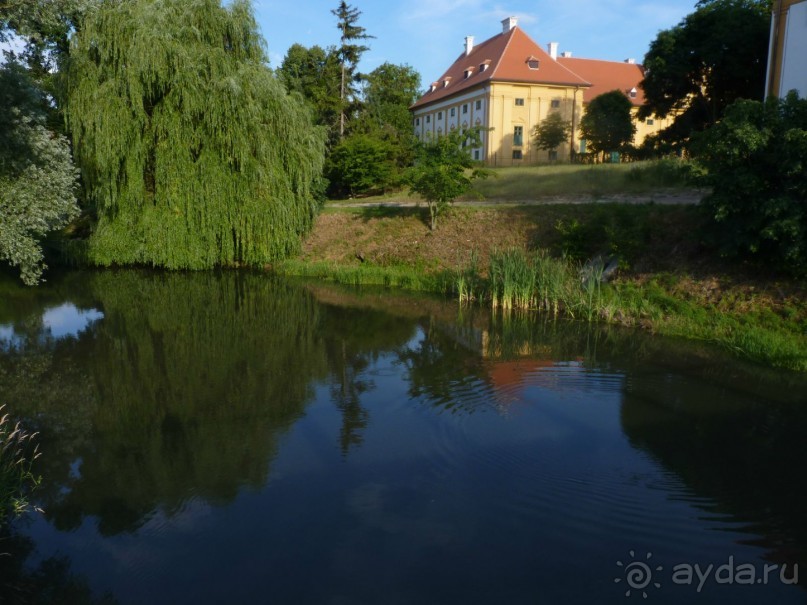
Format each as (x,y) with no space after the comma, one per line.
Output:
(361,164)
(756,163)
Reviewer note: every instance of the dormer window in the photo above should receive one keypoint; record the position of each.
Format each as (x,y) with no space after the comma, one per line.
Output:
(433,87)
(469,71)
(633,92)
(484,65)
(446,82)
(533,62)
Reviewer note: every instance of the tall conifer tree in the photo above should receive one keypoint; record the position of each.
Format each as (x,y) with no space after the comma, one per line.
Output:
(191,152)
(349,53)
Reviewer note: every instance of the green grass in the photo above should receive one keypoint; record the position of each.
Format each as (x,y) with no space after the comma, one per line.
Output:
(567,180)
(517,281)
(570,180)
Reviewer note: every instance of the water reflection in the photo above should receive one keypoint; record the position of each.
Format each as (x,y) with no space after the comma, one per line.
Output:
(55,323)
(246,412)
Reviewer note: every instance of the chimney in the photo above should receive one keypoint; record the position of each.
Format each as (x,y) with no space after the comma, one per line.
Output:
(508,24)
(566,54)
(469,45)
(630,61)
(553,50)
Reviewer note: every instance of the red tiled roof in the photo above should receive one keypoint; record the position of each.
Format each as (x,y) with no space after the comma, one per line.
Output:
(507,55)
(606,76)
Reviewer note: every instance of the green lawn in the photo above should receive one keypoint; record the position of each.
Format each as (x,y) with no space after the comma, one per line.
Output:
(567,180)
(583,180)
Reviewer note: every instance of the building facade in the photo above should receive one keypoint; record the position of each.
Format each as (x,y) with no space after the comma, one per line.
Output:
(787,52)
(509,84)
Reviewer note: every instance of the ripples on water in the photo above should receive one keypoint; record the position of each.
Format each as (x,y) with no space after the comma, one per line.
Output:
(233,438)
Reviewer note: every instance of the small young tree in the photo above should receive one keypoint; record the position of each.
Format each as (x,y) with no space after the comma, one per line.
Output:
(444,170)
(607,124)
(552,132)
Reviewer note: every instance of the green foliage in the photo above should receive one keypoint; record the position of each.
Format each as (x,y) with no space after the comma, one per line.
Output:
(552,132)
(192,154)
(315,74)
(756,163)
(613,229)
(381,144)
(607,124)
(444,170)
(712,57)
(37,176)
(664,172)
(389,91)
(17,454)
(361,164)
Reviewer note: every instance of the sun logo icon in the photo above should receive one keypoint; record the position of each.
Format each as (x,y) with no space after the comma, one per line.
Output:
(638,575)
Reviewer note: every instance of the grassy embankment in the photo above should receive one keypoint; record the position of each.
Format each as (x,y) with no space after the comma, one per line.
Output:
(531,256)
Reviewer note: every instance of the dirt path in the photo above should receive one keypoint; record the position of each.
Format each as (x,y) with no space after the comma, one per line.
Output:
(693,196)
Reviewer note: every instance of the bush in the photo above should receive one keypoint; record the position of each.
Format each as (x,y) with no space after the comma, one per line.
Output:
(756,163)
(361,164)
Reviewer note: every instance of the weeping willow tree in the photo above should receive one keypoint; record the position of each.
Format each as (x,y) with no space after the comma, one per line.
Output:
(192,154)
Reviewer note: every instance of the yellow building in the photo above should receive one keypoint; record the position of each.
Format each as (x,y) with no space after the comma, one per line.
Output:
(510,84)
(787,53)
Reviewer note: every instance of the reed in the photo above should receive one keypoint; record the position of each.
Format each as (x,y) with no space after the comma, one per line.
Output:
(17,455)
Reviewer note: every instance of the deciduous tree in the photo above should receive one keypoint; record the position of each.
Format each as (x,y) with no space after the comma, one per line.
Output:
(192,153)
(37,176)
(315,73)
(713,56)
(607,124)
(552,132)
(444,170)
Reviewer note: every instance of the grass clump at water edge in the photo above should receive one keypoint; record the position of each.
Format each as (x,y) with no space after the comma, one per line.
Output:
(17,455)
(516,280)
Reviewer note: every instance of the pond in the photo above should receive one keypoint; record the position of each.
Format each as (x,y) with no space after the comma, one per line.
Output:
(237,438)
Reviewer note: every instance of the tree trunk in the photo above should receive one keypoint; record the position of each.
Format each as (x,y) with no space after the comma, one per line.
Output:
(342,106)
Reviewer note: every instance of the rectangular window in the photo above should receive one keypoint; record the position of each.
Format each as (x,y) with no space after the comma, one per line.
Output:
(517,154)
(417,121)
(518,136)
(553,155)
(478,105)
(453,111)
(650,121)
(465,108)
(555,103)
(520,102)
(476,154)
(428,119)
(439,115)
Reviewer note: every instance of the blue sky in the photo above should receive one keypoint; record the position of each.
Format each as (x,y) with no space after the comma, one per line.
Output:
(429,34)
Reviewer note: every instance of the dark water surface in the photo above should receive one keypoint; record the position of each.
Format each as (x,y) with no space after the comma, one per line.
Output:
(233,438)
